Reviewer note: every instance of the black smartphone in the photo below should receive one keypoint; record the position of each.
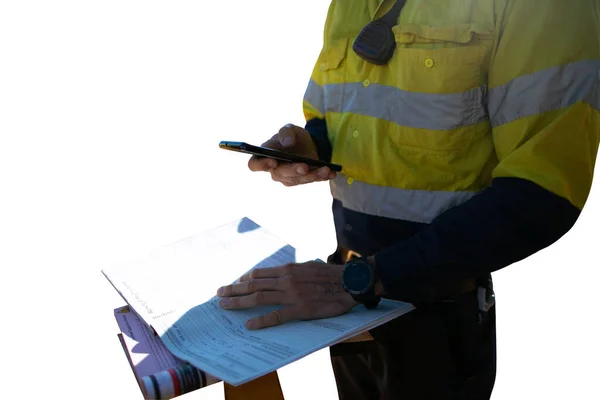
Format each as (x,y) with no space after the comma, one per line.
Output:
(277,155)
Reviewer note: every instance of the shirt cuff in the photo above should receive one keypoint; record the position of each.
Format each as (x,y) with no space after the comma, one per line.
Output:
(318,131)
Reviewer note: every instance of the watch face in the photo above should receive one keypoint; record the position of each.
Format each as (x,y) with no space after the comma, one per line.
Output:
(357,277)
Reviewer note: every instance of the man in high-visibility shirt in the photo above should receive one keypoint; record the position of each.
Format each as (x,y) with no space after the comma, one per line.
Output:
(468,132)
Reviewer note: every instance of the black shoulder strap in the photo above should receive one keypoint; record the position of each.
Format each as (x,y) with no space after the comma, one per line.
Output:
(391,17)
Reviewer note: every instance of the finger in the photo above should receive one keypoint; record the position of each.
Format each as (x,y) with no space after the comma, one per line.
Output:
(289,170)
(275,318)
(318,175)
(300,313)
(299,179)
(287,135)
(323,173)
(271,272)
(244,278)
(248,287)
(266,298)
(260,274)
(264,164)
(302,170)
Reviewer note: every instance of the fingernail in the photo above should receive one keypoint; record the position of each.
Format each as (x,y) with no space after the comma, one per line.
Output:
(271,164)
(250,324)
(323,173)
(220,292)
(288,141)
(300,170)
(225,303)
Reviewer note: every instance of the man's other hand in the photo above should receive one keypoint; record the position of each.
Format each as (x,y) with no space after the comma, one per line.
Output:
(295,140)
(307,291)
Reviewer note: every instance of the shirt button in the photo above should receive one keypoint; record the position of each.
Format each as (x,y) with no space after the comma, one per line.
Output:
(350,181)
(348,227)
(366,83)
(355,134)
(429,62)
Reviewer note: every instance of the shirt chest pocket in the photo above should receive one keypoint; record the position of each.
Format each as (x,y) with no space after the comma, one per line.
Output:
(440,75)
(440,59)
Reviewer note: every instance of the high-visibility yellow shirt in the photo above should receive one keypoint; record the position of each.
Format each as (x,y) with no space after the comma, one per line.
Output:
(475,89)
(485,107)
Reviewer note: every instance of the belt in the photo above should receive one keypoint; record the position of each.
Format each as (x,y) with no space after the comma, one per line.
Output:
(444,292)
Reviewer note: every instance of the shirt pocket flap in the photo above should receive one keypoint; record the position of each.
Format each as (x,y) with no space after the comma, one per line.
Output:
(459,34)
(333,54)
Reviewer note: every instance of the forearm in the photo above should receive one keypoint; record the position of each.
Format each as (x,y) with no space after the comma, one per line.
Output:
(507,222)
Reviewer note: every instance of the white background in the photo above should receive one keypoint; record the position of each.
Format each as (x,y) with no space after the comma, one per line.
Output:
(110,116)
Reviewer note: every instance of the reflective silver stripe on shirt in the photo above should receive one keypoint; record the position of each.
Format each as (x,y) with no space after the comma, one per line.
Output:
(409,109)
(315,96)
(382,201)
(593,98)
(547,90)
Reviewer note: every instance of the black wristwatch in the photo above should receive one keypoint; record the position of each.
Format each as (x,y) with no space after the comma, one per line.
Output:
(359,279)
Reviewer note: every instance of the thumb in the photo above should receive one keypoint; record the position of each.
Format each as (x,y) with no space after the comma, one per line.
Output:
(287,135)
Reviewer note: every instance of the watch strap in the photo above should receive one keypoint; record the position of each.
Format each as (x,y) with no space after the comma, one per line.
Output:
(370,301)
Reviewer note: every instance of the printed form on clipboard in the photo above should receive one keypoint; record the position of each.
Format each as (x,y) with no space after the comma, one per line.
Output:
(172,290)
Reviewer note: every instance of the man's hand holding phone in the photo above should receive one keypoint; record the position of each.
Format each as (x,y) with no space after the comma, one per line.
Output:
(295,140)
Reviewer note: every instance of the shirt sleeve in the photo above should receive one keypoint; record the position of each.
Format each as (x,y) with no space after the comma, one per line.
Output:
(543,105)
(317,127)
(313,106)
(313,103)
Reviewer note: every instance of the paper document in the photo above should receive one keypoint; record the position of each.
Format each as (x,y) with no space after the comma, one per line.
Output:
(172,289)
